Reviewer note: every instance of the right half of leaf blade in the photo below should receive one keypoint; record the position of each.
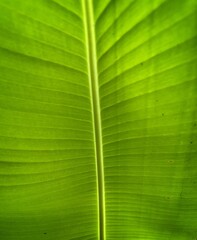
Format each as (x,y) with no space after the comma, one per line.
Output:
(147,77)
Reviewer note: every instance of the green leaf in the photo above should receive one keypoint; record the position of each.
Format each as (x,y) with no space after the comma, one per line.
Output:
(98,119)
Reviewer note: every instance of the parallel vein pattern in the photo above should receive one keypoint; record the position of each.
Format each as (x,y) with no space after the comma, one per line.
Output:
(148,85)
(115,78)
(47,163)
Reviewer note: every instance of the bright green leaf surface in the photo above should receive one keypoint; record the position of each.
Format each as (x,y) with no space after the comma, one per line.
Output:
(47,168)
(98,103)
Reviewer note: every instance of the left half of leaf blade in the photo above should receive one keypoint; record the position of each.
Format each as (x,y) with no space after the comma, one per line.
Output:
(47,166)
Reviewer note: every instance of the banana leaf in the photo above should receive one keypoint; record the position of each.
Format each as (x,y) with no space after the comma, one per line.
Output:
(98,119)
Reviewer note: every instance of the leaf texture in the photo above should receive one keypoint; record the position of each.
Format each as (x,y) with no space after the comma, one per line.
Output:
(98,120)
(47,163)
(147,77)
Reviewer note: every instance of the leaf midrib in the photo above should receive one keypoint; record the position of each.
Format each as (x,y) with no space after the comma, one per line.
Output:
(96,111)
